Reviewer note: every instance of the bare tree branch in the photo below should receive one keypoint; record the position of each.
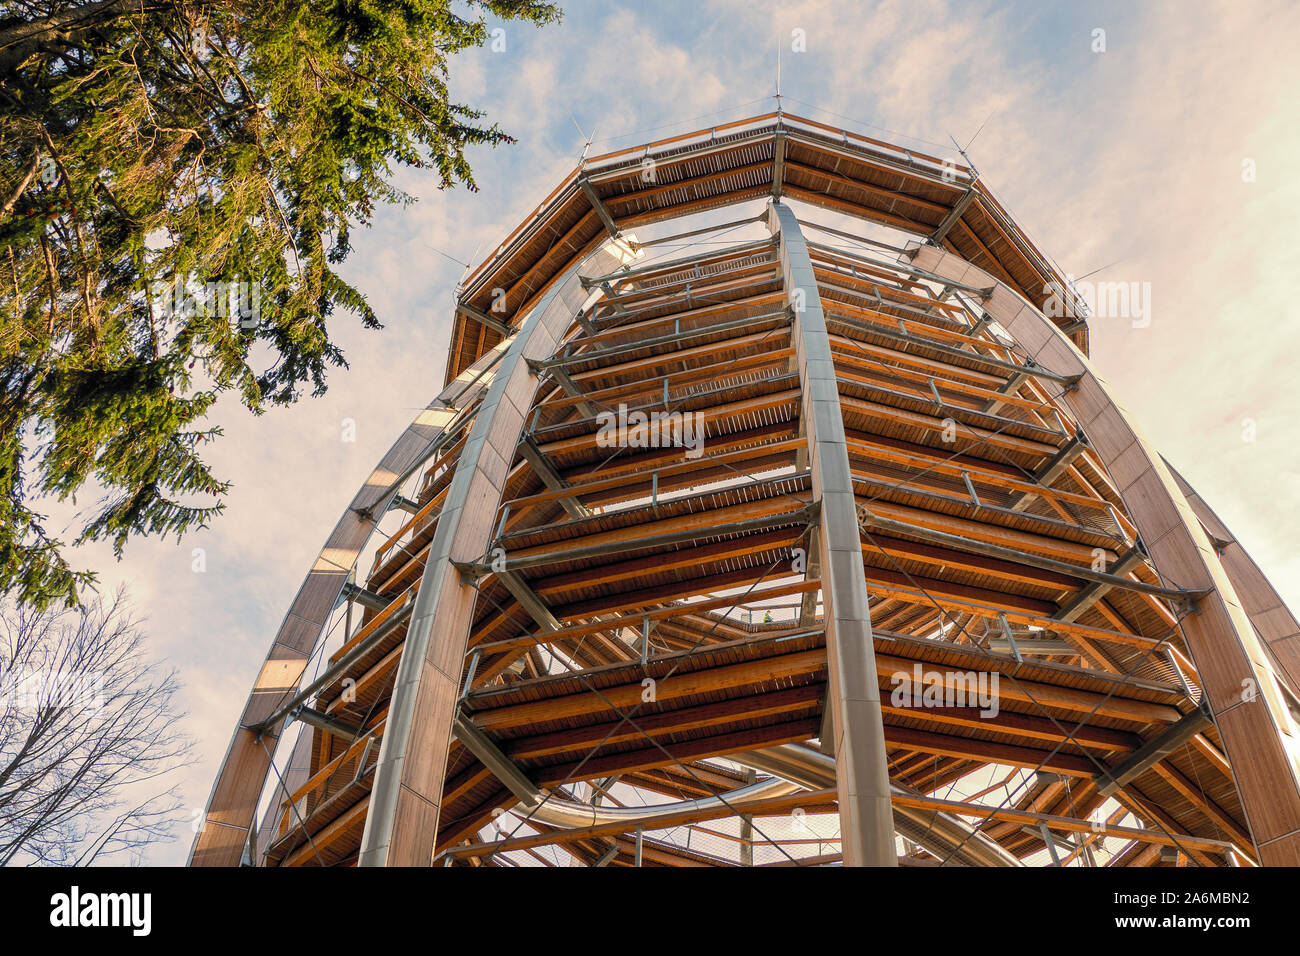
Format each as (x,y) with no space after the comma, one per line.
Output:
(88,728)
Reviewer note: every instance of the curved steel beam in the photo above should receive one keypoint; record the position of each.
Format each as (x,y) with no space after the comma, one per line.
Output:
(558,812)
(940,833)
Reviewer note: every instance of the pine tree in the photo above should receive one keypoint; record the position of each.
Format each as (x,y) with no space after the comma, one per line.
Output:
(178,182)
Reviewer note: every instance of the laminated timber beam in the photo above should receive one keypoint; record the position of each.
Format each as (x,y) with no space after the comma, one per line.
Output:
(1103,579)
(596,355)
(1273,620)
(632,335)
(684,289)
(908,338)
(926,460)
(874,303)
(907,591)
(634,620)
(627,572)
(1260,737)
(824,799)
(609,395)
(617,544)
(940,731)
(837,256)
(1065,824)
(407,794)
(616,732)
(679,686)
(862,780)
(901,366)
(762,806)
(691,263)
(653,757)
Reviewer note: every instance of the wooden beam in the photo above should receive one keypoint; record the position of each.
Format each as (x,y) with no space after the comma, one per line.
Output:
(1254,723)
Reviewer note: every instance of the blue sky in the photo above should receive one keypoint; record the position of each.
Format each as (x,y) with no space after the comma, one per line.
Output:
(1129,159)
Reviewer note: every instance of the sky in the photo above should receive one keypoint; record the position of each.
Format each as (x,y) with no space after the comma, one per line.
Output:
(1162,152)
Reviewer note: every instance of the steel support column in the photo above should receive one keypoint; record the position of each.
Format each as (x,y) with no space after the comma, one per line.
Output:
(402,822)
(862,776)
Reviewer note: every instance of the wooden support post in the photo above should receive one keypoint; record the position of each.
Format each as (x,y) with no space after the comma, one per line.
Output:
(1276,625)
(1260,739)
(235,793)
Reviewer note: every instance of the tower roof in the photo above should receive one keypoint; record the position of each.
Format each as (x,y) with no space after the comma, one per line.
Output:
(775,154)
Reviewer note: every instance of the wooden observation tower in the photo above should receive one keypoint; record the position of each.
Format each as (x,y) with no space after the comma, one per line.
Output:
(772,513)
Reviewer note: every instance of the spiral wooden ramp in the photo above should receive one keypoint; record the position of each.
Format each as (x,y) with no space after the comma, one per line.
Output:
(795,533)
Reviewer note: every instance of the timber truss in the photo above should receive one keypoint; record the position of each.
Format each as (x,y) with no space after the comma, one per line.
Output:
(796,546)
